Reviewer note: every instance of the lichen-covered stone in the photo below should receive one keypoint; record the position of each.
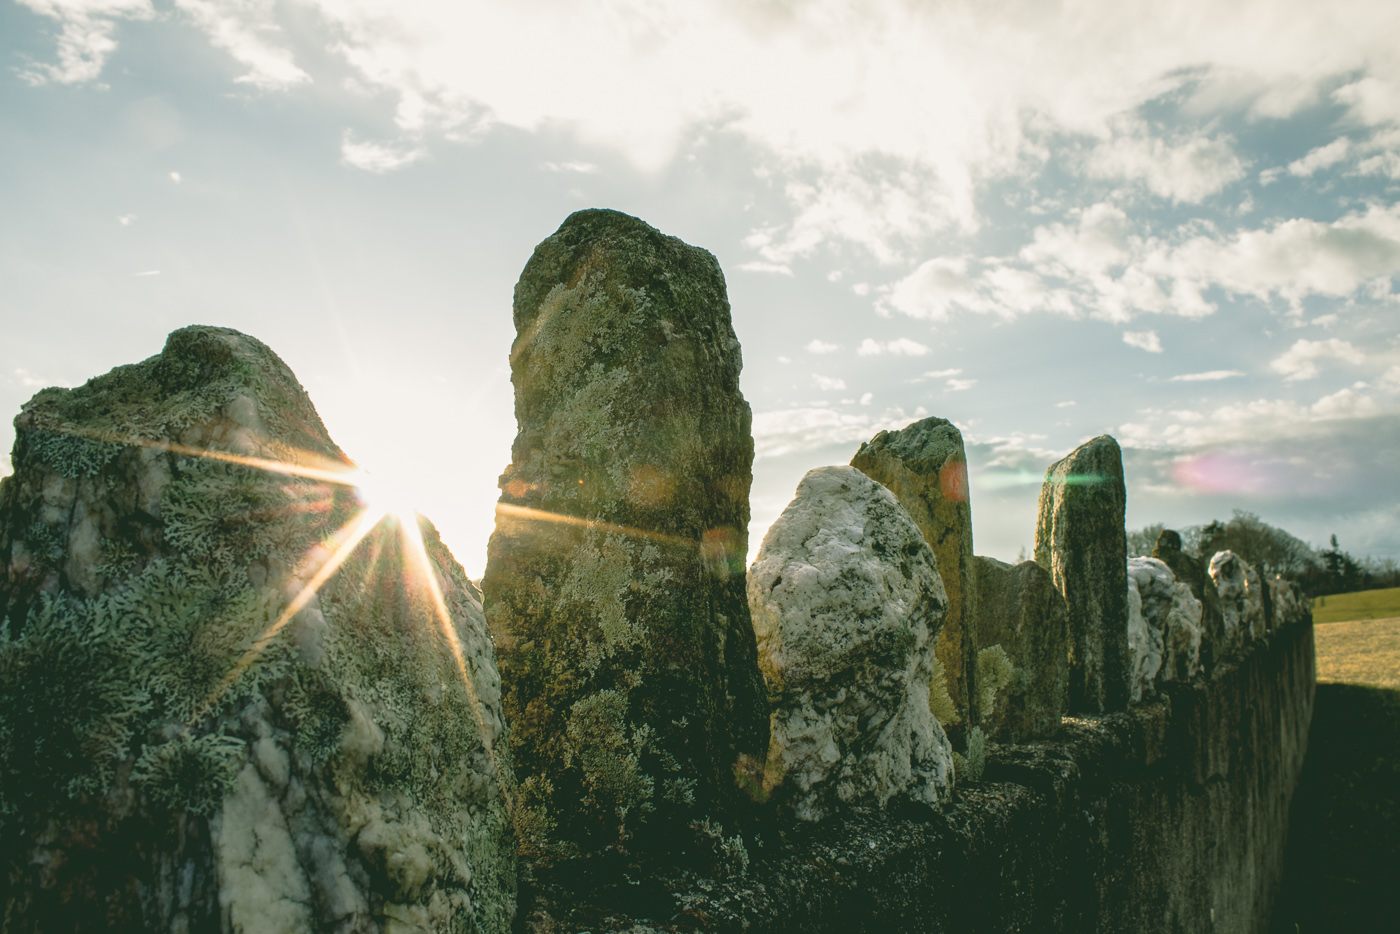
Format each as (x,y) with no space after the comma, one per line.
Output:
(925,467)
(1164,627)
(172,761)
(847,606)
(1080,539)
(1190,570)
(615,577)
(1241,602)
(1289,603)
(1020,613)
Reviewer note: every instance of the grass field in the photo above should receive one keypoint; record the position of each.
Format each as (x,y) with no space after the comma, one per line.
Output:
(1366,604)
(1364,652)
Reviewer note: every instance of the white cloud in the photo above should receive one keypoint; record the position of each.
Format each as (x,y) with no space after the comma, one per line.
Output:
(1390,379)
(1144,340)
(788,431)
(1206,377)
(959,385)
(148,272)
(376,157)
(85,41)
(581,168)
(900,347)
(821,346)
(828,383)
(176,178)
(1245,423)
(1065,405)
(1188,169)
(239,28)
(1322,157)
(869,397)
(126,219)
(1300,361)
(940,374)
(778,269)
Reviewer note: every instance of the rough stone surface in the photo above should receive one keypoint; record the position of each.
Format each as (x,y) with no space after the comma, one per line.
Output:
(1192,571)
(171,759)
(1290,605)
(1080,539)
(1241,602)
(1164,627)
(1019,609)
(615,577)
(925,467)
(847,606)
(1170,816)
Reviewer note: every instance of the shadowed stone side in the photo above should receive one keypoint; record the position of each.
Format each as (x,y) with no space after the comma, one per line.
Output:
(615,577)
(925,467)
(1080,539)
(1019,609)
(847,607)
(177,752)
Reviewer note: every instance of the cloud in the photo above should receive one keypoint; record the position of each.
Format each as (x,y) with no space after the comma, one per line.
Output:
(176,178)
(1066,404)
(1144,340)
(1300,361)
(779,269)
(960,385)
(1185,170)
(126,219)
(900,346)
(1322,157)
(828,383)
(582,168)
(85,41)
(239,27)
(821,346)
(1262,420)
(789,431)
(376,157)
(1206,377)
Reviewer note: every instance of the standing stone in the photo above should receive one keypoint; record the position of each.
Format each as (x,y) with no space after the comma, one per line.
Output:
(925,467)
(1290,605)
(1164,627)
(1023,691)
(179,750)
(1188,569)
(1241,601)
(615,577)
(847,606)
(1080,539)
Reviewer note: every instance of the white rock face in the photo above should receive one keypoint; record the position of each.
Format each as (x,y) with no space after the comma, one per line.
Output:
(1164,626)
(1290,606)
(1241,600)
(847,605)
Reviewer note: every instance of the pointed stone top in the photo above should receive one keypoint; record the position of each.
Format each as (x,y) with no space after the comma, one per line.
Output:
(928,439)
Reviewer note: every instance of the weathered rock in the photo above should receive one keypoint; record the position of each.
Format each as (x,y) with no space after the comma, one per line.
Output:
(847,606)
(1191,571)
(1019,611)
(1164,627)
(1241,601)
(1080,539)
(186,743)
(1290,605)
(925,467)
(615,577)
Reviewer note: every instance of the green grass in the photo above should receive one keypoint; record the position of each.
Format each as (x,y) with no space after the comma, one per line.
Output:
(1365,604)
(1342,867)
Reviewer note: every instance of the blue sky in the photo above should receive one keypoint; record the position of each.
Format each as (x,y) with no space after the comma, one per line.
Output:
(1175,223)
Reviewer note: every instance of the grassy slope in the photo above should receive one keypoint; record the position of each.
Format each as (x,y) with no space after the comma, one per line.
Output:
(1365,652)
(1365,604)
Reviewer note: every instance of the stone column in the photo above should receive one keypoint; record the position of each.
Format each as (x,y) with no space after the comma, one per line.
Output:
(1080,539)
(615,577)
(925,467)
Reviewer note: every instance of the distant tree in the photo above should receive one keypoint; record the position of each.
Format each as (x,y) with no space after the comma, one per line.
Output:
(1271,550)
(1339,572)
(1140,541)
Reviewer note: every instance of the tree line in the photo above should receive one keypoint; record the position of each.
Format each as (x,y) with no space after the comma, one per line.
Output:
(1318,571)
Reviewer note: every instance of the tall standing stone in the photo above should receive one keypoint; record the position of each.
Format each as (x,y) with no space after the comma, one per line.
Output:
(1023,659)
(925,467)
(1081,540)
(615,577)
(205,725)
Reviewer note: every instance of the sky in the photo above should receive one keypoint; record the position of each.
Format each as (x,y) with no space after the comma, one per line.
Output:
(1175,223)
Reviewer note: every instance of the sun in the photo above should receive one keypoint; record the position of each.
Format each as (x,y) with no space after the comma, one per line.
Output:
(385,494)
